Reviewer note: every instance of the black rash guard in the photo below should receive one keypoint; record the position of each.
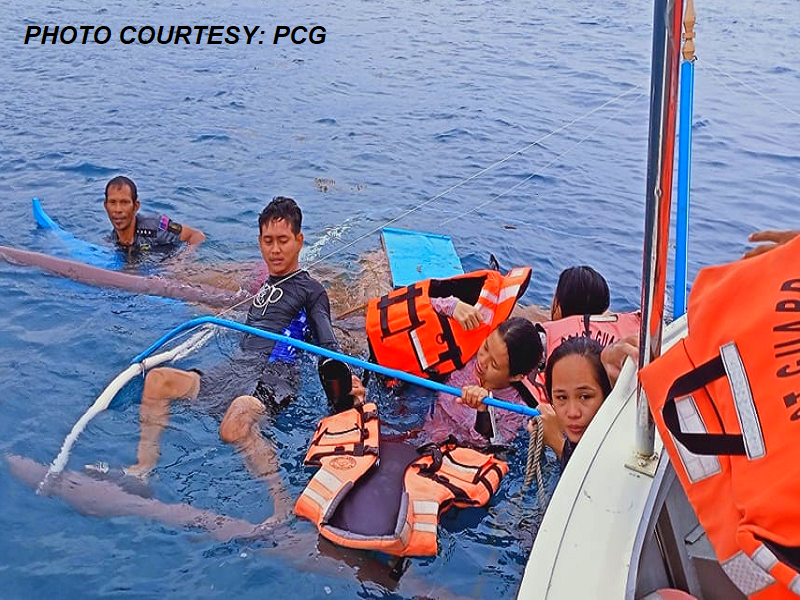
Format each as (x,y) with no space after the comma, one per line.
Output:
(280,300)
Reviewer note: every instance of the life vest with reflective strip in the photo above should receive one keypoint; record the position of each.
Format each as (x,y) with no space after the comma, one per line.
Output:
(406,333)
(605,329)
(726,400)
(438,476)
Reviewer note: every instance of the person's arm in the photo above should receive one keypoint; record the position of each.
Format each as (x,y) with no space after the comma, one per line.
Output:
(553,435)
(468,316)
(772,240)
(318,312)
(192,236)
(614,355)
(472,396)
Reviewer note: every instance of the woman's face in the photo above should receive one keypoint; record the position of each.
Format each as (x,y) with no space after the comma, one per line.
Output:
(491,365)
(576,394)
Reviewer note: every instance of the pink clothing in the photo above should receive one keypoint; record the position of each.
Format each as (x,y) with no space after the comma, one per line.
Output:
(450,417)
(444,306)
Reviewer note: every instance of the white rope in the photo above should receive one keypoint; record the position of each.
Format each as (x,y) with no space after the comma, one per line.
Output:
(477,174)
(104,399)
(753,89)
(538,172)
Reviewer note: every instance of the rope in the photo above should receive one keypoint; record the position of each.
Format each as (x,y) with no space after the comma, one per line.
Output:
(535,173)
(753,89)
(533,465)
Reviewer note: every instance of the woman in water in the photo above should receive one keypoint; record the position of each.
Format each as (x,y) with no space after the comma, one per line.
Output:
(577,384)
(506,356)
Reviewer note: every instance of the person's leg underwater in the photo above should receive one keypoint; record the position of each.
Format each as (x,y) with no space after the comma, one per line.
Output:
(161,386)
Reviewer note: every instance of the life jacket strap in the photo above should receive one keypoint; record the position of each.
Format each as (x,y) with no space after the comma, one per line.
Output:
(707,444)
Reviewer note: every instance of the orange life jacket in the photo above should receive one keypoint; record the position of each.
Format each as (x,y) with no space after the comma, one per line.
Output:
(726,400)
(405,332)
(438,477)
(605,329)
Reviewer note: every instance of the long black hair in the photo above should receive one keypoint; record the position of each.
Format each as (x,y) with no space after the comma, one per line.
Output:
(582,291)
(523,344)
(582,346)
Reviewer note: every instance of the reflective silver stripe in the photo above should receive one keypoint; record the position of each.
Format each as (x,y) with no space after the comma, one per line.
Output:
(794,586)
(516,272)
(418,350)
(509,292)
(317,499)
(697,467)
(467,472)
(425,507)
(326,438)
(328,480)
(487,314)
(489,296)
(496,437)
(405,535)
(426,527)
(743,401)
(746,575)
(764,558)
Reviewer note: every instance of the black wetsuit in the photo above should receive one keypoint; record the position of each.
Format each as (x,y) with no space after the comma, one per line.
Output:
(280,300)
(157,233)
(262,367)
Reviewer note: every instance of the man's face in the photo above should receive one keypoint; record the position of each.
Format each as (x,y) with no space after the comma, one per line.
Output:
(280,247)
(121,207)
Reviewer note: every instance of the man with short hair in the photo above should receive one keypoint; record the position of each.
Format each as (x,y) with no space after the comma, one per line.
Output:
(262,378)
(135,233)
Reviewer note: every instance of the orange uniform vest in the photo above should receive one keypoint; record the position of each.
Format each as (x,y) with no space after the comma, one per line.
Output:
(726,400)
(345,446)
(605,329)
(405,332)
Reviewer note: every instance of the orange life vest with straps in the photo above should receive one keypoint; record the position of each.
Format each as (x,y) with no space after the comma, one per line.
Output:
(605,329)
(406,333)
(429,481)
(726,400)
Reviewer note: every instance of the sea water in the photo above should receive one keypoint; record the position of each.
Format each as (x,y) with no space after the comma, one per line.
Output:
(401,102)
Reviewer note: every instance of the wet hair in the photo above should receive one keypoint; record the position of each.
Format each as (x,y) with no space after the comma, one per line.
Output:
(523,344)
(581,346)
(282,209)
(122,181)
(581,291)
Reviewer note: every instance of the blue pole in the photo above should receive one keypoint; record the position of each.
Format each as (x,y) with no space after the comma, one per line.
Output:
(684,179)
(402,375)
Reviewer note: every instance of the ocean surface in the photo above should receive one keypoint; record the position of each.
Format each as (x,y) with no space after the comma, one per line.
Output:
(403,102)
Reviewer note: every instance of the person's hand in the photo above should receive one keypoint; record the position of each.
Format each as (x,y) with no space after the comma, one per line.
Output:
(614,355)
(773,239)
(467,315)
(358,392)
(553,434)
(472,396)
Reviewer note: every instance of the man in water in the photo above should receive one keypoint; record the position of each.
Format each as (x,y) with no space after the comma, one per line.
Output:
(261,378)
(134,233)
